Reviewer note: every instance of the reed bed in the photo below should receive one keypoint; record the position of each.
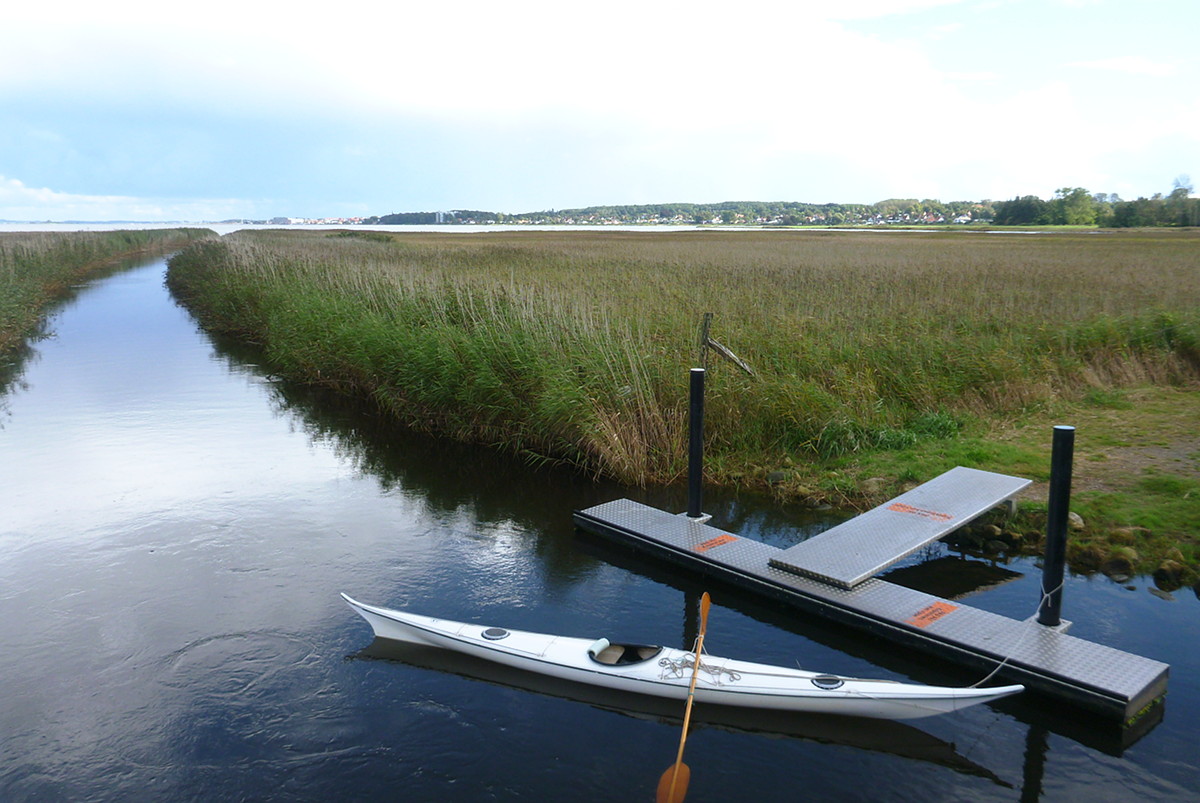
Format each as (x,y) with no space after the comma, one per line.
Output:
(575,345)
(38,267)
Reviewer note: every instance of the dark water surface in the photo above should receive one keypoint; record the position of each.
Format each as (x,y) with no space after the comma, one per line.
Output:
(175,527)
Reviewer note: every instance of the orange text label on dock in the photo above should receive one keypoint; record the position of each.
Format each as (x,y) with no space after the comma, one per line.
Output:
(900,507)
(931,613)
(724,538)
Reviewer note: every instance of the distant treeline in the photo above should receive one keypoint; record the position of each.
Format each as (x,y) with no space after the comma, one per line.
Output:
(784,213)
(1070,206)
(1075,206)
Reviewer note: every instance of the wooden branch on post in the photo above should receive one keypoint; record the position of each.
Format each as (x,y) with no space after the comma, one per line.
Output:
(729,355)
(706,342)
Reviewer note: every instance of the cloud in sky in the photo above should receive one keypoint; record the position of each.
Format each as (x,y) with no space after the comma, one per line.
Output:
(1133,65)
(240,110)
(21,203)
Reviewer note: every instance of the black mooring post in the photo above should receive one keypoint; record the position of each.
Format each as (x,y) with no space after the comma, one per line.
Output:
(1061,458)
(696,444)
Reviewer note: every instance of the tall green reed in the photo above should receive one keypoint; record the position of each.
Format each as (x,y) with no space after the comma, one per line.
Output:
(575,345)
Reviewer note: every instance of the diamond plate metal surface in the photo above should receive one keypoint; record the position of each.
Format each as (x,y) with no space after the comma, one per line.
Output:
(849,553)
(1050,659)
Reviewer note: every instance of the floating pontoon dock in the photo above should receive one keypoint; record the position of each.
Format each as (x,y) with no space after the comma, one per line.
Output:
(832,575)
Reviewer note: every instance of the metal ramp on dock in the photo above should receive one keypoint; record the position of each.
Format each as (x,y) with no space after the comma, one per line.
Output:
(860,548)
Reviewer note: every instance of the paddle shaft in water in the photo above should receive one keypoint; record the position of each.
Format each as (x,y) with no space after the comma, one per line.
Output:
(680,774)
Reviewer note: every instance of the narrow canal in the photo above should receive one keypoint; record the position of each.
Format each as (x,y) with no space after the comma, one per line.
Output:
(175,526)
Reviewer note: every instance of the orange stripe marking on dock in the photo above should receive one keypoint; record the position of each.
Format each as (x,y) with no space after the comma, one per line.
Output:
(714,542)
(931,613)
(900,507)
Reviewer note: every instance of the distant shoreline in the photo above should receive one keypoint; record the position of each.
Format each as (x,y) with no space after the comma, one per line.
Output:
(223,228)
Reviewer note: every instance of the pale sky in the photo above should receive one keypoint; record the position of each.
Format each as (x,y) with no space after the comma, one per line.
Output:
(153,111)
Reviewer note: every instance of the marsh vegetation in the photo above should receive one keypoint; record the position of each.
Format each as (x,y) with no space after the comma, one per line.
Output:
(38,267)
(574,345)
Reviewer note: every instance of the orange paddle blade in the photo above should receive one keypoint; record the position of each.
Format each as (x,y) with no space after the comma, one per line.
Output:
(673,784)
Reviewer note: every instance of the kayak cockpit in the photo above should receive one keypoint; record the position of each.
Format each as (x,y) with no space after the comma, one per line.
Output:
(604,652)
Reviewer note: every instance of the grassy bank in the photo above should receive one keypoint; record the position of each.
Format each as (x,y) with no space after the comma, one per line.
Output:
(1136,479)
(575,345)
(38,267)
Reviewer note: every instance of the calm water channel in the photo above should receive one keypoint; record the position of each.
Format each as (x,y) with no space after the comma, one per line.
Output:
(175,526)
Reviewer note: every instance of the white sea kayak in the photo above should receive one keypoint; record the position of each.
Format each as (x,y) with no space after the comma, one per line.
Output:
(667,672)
